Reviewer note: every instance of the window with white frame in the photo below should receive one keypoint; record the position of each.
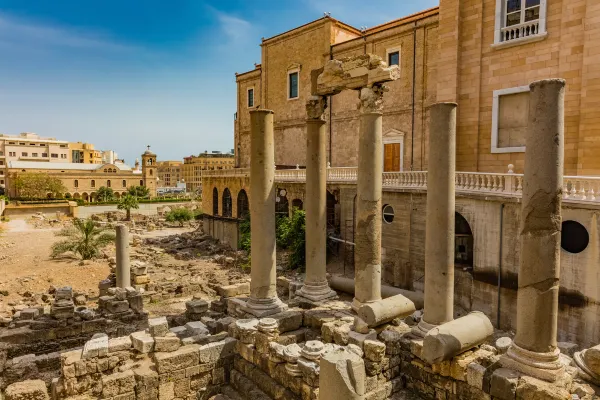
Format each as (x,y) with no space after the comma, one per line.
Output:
(250,97)
(393,56)
(293,84)
(519,21)
(510,115)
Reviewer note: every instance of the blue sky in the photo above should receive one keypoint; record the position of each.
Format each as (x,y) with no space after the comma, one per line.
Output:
(123,74)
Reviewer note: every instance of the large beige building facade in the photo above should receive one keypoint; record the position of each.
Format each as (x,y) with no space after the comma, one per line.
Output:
(169,173)
(82,181)
(194,166)
(85,153)
(481,55)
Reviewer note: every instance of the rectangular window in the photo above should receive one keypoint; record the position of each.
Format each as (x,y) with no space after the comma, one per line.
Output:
(293,77)
(510,115)
(63,156)
(24,154)
(44,154)
(34,154)
(93,183)
(519,21)
(54,155)
(12,153)
(250,98)
(394,58)
(32,144)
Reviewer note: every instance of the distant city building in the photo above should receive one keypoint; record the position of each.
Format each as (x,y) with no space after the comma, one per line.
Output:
(85,153)
(169,173)
(194,165)
(82,180)
(109,156)
(28,146)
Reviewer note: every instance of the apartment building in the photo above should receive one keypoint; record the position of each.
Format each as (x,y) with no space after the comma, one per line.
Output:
(193,167)
(85,153)
(28,146)
(169,173)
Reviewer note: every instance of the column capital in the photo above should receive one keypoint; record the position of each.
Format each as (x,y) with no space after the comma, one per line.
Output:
(371,99)
(315,107)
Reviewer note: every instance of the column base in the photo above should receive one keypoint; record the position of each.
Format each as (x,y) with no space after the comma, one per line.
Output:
(584,371)
(545,366)
(356,304)
(422,328)
(316,291)
(264,307)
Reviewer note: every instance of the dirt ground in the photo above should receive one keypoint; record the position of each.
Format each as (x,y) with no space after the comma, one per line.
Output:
(26,265)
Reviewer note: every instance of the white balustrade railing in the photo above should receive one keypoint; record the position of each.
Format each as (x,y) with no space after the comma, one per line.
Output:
(520,31)
(575,188)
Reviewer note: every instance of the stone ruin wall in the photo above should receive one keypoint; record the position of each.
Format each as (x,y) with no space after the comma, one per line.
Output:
(278,358)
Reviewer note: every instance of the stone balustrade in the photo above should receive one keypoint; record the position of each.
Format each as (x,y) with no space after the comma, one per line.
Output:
(577,189)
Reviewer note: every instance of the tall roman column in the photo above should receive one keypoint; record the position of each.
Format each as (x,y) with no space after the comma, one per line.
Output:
(534,350)
(316,286)
(367,250)
(263,295)
(123,266)
(439,228)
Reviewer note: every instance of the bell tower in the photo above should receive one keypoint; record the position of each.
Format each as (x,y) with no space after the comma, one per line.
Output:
(149,171)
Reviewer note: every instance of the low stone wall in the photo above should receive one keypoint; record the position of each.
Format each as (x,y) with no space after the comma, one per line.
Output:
(224,229)
(50,210)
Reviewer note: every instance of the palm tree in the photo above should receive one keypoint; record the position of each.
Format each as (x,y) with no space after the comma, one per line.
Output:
(105,193)
(83,238)
(127,203)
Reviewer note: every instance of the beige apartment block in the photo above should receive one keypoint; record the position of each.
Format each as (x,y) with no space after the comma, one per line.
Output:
(489,51)
(82,181)
(193,167)
(28,146)
(85,153)
(169,173)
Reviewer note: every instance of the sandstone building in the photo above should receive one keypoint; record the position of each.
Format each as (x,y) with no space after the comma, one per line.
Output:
(481,55)
(82,181)
(194,166)
(169,173)
(85,153)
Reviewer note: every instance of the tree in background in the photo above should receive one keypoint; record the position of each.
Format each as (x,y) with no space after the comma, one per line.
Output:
(141,192)
(37,185)
(180,215)
(83,238)
(105,194)
(127,203)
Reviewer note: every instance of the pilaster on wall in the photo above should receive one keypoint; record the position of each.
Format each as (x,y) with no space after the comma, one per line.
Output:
(589,146)
(448,60)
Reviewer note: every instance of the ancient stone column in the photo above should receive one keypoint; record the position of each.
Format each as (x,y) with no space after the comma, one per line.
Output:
(263,295)
(315,286)
(534,350)
(123,266)
(439,228)
(367,252)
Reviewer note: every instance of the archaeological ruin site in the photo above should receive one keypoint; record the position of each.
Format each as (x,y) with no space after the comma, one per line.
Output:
(327,336)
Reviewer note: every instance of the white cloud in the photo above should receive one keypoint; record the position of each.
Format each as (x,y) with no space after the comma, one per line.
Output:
(31,34)
(236,29)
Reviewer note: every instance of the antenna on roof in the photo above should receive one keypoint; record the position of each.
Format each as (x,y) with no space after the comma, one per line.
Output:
(363,29)
(327,14)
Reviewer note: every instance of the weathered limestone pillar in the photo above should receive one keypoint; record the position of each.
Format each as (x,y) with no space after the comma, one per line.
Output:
(534,350)
(263,295)
(316,286)
(367,250)
(439,228)
(123,266)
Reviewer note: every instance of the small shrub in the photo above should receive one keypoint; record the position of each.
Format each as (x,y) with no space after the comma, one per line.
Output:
(180,215)
(245,236)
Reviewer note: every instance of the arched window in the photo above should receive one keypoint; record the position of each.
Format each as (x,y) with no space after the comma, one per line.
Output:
(463,242)
(282,208)
(215,201)
(124,183)
(93,183)
(297,203)
(151,173)
(242,204)
(108,183)
(141,182)
(76,184)
(227,206)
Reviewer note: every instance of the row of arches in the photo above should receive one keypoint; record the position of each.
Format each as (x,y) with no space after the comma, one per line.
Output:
(282,205)
(85,196)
